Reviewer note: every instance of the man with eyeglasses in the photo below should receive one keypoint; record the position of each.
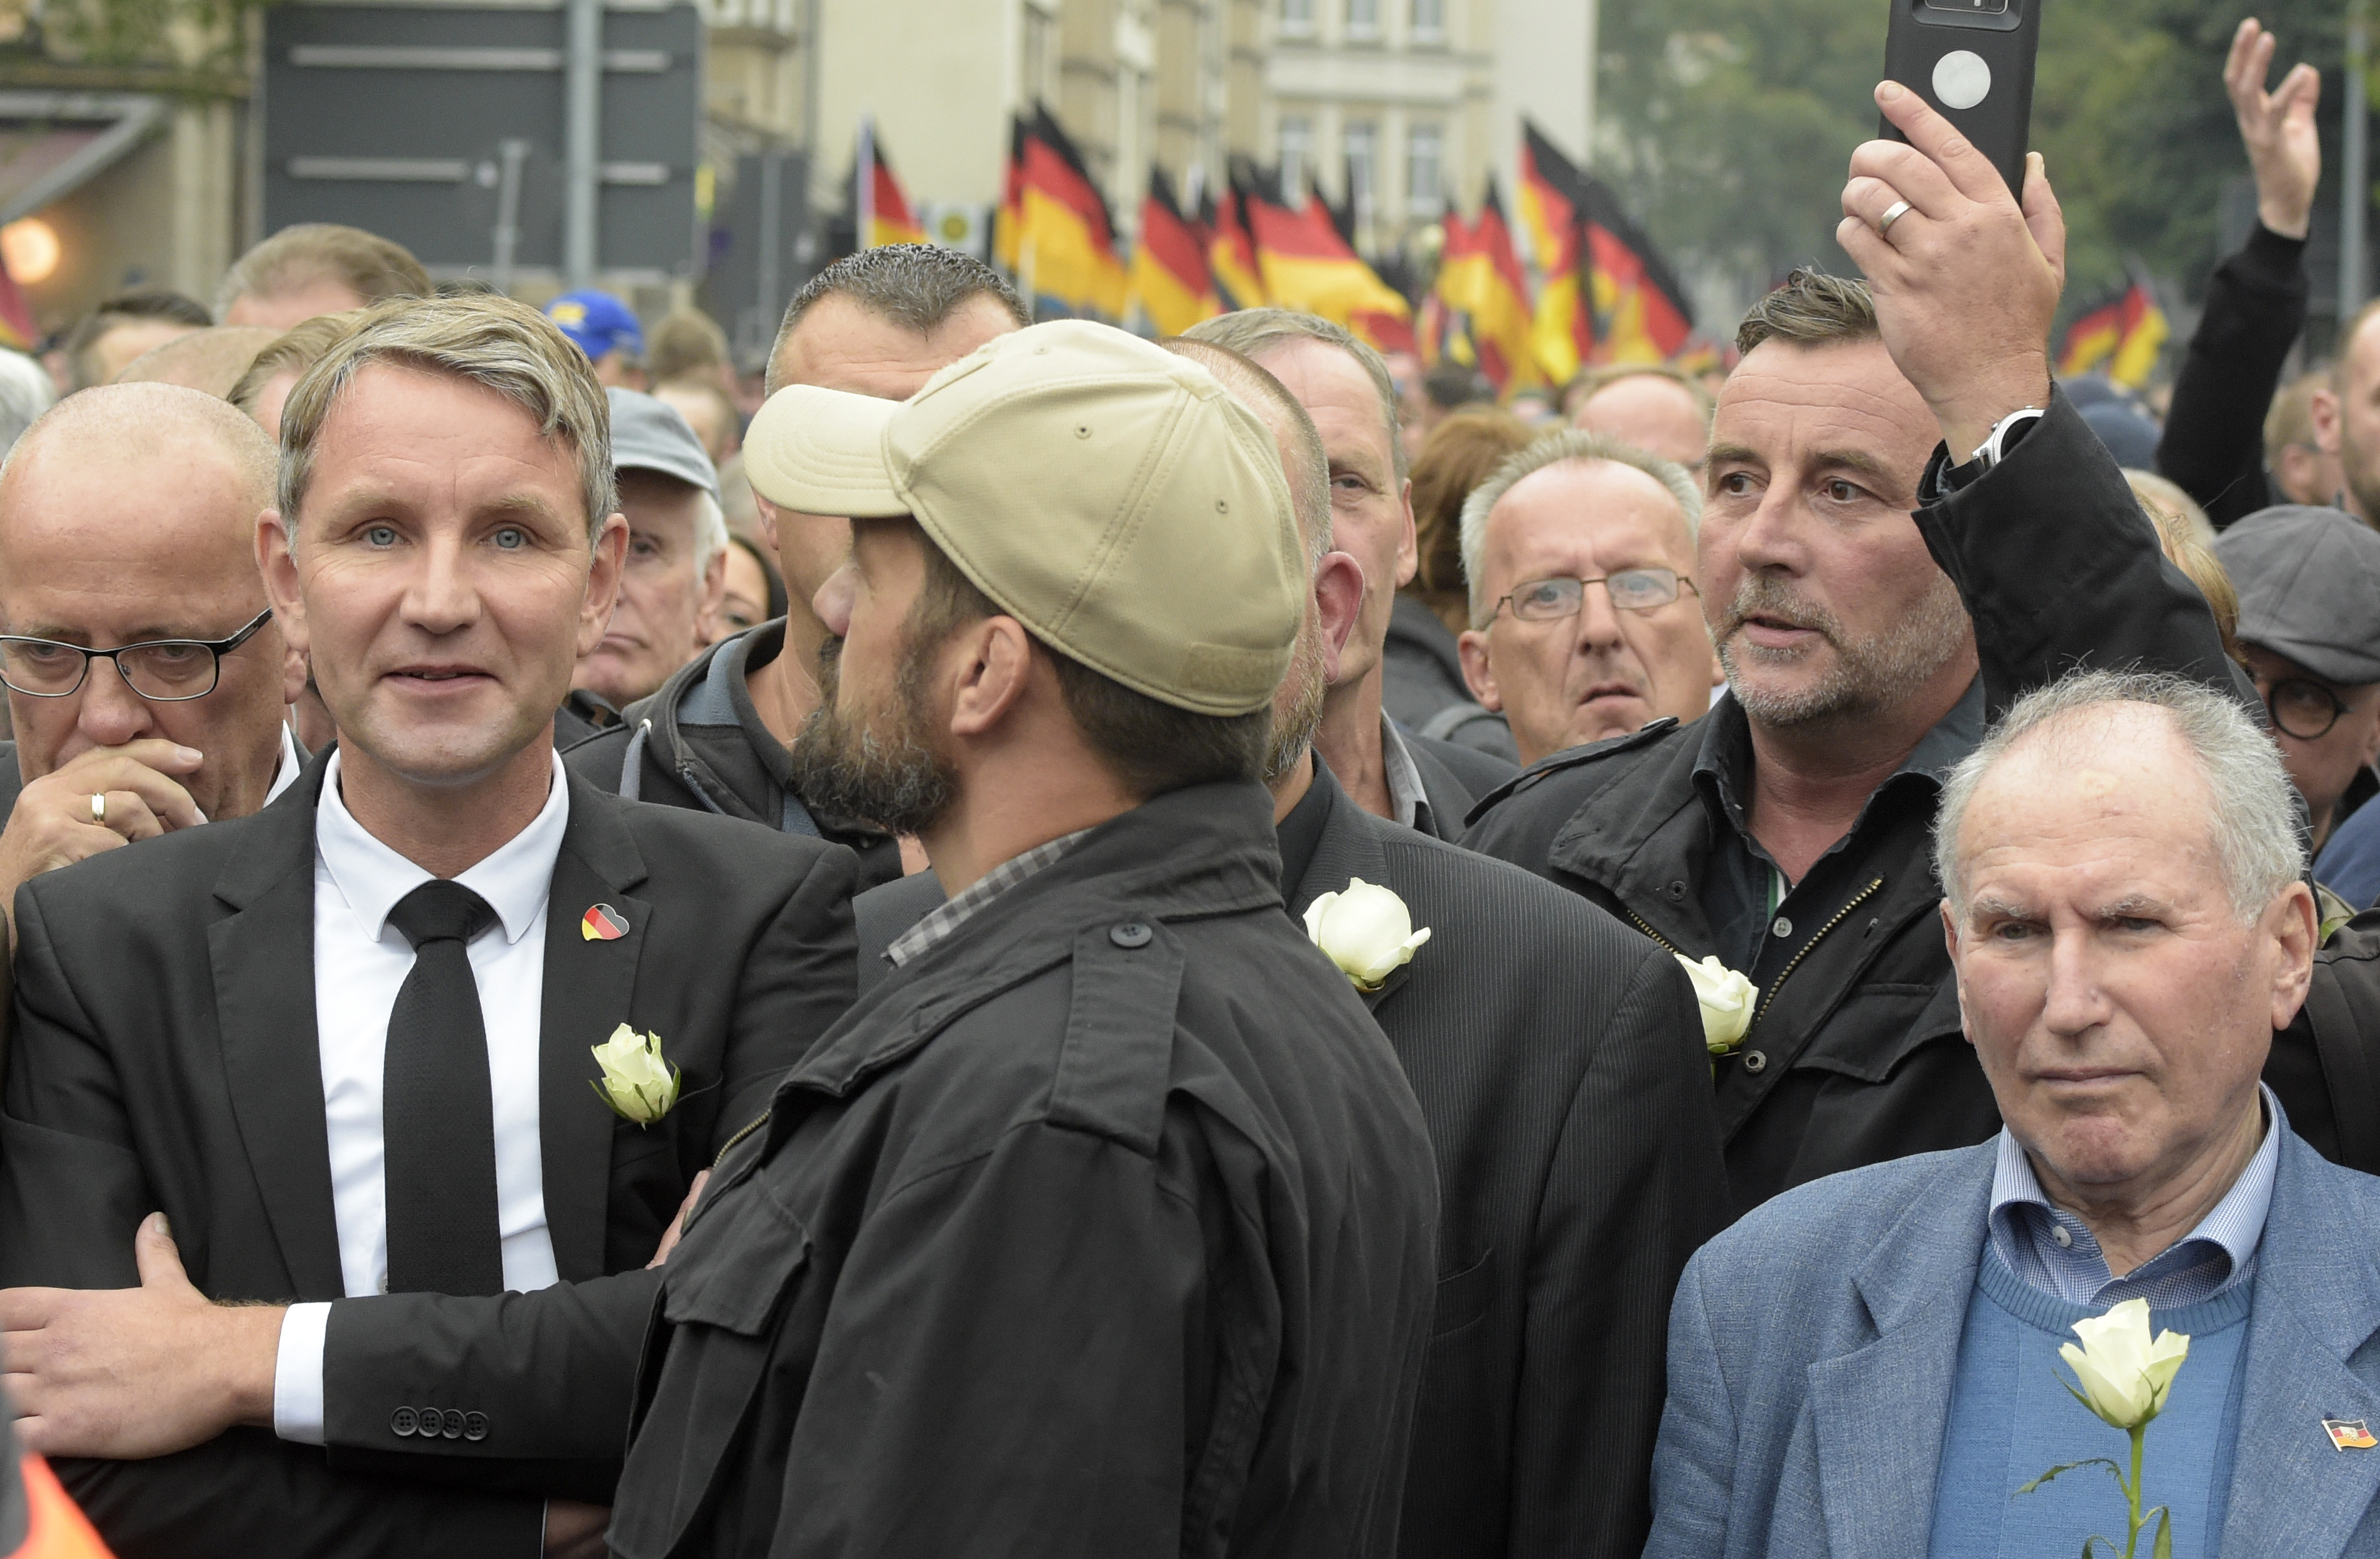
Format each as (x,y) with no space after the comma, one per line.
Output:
(2309,584)
(1586,622)
(149,686)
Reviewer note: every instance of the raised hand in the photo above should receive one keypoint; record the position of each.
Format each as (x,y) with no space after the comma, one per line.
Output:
(2277,128)
(1965,280)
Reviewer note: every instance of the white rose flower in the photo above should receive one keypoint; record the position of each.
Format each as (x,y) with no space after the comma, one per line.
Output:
(1365,930)
(1727,1000)
(2125,1376)
(637,1083)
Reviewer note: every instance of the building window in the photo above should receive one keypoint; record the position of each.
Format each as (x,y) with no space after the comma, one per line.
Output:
(1430,21)
(1297,17)
(1363,18)
(1296,158)
(1424,189)
(1363,165)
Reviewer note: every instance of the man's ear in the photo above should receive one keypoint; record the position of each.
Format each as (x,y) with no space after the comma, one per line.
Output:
(1950,936)
(993,659)
(711,596)
(2295,922)
(602,583)
(2323,408)
(279,568)
(1480,669)
(767,513)
(1338,601)
(1409,543)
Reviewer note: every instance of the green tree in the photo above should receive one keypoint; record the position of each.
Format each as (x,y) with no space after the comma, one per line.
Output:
(1729,123)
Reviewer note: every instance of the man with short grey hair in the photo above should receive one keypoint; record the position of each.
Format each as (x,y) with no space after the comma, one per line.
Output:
(1586,618)
(715,737)
(1344,386)
(2126,913)
(336,1139)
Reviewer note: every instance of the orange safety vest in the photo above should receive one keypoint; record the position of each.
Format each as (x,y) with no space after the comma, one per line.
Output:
(54,1527)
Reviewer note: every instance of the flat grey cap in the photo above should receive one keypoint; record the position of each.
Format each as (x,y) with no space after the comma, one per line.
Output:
(650,435)
(2309,584)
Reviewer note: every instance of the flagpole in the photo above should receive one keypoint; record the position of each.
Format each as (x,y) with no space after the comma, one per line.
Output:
(864,198)
(2355,194)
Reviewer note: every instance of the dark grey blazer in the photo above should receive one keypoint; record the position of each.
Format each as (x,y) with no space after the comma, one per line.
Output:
(1559,1061)
(165,1057)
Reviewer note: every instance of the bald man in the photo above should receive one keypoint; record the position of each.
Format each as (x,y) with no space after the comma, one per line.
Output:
(127,518)
(210,361)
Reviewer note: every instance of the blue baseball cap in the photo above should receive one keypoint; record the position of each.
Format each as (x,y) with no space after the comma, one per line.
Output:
(599,323)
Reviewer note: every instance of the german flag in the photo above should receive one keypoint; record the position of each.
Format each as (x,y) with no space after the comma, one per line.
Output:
(1479,277)
(877,198)
(1170,283)
(1563,332)
(1306,265)
(1641,314)
(1005,221)
(2125,332)
(1441,330)
(1066,235)
(1230,254)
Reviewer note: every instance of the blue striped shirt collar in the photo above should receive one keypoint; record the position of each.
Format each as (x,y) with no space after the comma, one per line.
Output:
(2025,1231)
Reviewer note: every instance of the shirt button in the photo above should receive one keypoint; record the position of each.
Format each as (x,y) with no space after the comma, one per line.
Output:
(1132,934)
(2058,1232)
(1755,1061)
(1780,926)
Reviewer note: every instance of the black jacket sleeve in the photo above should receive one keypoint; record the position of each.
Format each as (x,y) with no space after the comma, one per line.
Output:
(2213,442)
(2059,567)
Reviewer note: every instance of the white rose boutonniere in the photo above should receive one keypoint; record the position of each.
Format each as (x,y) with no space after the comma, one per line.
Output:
(1365,930)
(1727,1000)
(639,1084)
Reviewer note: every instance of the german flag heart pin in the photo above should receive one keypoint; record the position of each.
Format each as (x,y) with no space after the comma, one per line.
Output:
(603,923)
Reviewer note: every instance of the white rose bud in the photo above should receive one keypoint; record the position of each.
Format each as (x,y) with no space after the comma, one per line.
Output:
(1727,1000)
(637,1083)
(2125,1376)
(1365,931)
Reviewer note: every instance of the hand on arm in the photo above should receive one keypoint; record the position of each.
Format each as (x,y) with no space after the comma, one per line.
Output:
(130,1374)
(2278,129)
(52,825)
(1966,284)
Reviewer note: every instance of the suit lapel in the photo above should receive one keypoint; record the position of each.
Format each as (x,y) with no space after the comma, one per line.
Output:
(2317,1304)
(589,984)
(1878,1412)
(262,958)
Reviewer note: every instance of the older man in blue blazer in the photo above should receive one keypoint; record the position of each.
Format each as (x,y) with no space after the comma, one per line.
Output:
(1868,1365)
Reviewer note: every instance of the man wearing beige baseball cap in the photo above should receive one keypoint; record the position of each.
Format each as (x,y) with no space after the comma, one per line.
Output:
(1104,1224)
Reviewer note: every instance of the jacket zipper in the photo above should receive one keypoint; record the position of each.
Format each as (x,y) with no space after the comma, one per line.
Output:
(1857,899)
(739,1137)
(1648,931)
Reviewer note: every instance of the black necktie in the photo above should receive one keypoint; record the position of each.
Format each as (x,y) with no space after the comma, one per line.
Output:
(438,1129)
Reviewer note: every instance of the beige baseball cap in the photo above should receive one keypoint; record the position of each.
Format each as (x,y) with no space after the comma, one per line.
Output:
(1110,496)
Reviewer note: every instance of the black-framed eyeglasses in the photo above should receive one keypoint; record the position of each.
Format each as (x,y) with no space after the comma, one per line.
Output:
(160,670)
(2303,709)
(1631,589)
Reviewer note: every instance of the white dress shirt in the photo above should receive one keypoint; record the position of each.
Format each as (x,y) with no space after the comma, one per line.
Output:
(291,766)
(360,962)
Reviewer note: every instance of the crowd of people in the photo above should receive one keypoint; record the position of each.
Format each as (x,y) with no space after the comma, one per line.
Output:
(1021,940)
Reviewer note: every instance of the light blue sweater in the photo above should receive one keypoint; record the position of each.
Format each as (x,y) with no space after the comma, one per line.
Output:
(2011,1421)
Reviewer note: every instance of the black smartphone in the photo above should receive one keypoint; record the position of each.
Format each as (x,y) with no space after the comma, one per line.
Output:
(1973,60)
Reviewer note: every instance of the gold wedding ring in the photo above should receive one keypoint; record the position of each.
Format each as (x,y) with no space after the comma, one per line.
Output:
(1892,213)
(98,808)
